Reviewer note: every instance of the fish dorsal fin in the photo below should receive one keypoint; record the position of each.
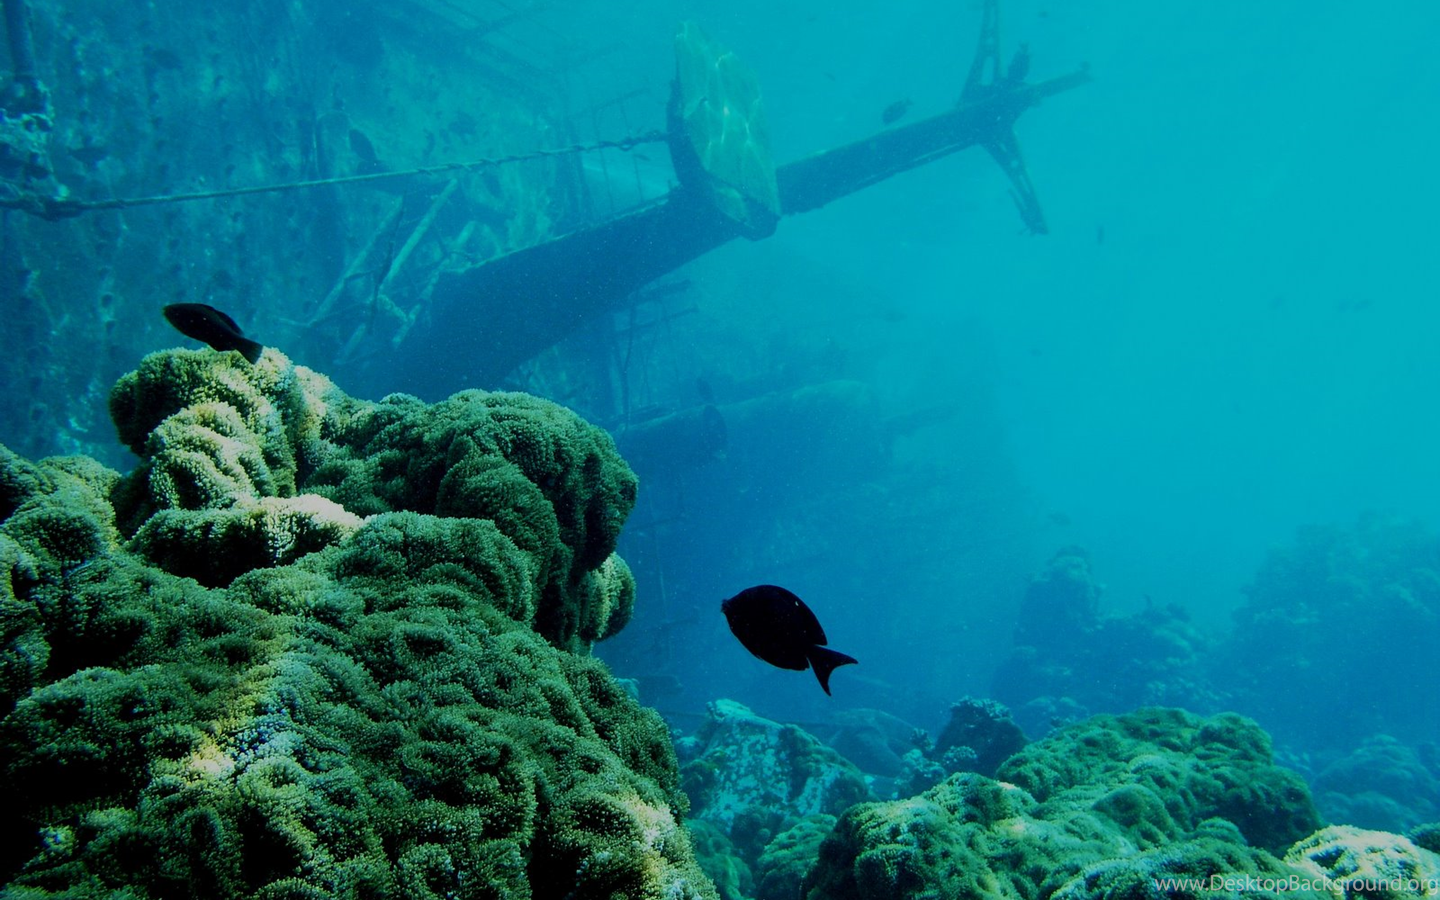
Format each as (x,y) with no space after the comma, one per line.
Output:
(824,661)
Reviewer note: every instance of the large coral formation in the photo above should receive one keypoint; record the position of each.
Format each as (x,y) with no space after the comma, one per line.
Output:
(256,465)
(1220,767)
(343,708)
(749,778)
(741,766)
(1352,862)
(978,738)
(1070,660)
(780,870)
(1382,784)
(1336,632)
(980,731)
(1097,809)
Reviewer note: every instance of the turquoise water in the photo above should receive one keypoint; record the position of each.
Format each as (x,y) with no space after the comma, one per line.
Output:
(1180,450)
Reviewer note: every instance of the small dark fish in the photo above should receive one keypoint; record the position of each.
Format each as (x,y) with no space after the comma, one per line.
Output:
(777,626)
(365,152)
(208,324)
(895,112)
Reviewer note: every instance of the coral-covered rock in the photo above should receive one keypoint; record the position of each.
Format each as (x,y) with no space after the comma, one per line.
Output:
(751,778)
(1215,864)
(1382,784)
(780,871)
(968,837)
(1063,601)
(984,730)
(1099,809)
(1426,836)
(1070,660)
(1336,631)
(1220,767)
(246,466)
(720,860)
(264,693)
(874,740)
(1352,862)
(748,765)
(216,546)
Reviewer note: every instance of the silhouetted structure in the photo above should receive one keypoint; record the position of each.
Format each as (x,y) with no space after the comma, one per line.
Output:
(488,319)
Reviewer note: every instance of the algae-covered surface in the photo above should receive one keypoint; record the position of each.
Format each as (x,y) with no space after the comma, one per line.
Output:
(313,646)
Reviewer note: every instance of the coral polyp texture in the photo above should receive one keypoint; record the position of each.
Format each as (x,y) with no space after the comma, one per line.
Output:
(1106,808)
(319,647)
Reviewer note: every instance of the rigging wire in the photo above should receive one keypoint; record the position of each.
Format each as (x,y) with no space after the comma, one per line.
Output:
(56,208)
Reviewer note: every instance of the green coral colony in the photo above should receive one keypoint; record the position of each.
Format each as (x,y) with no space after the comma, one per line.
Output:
(319,647)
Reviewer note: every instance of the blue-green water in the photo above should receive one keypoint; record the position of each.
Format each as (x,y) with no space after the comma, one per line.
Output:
(1180,450)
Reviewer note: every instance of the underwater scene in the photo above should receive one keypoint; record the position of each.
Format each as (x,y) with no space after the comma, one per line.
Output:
(680,450)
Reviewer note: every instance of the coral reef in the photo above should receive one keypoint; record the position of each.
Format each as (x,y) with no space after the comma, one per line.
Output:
(780,870)
(720,861)
(383,692)
(1325,653)
(745,765)
(1335,633)
(979,736)
(920,773)
(749,779)
(1220,767)
(1070,660)
(934,845)
(1382,784)
(1426,836)
(222,440)
(983,730)
(1096,809)
(742,771)
(1214,864)
(1359,863)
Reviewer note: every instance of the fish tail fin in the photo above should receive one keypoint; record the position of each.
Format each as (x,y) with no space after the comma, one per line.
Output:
(249,349)
(824,661)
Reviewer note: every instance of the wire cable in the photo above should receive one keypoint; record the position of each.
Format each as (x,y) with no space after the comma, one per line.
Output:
(56,208)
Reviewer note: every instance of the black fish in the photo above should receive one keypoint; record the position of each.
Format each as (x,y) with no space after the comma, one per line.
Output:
(895,112)
(365,152)
(206,323)
(777,626)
